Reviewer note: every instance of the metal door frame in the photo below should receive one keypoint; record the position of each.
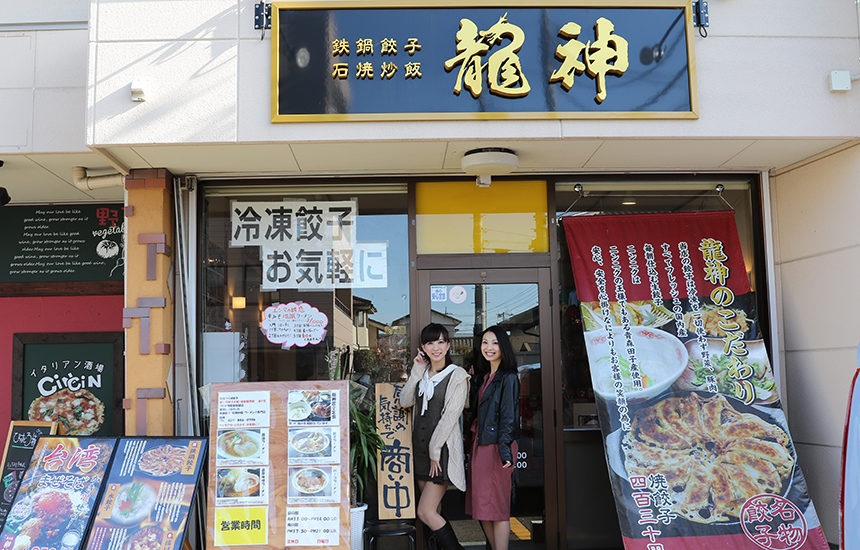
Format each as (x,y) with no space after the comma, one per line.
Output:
(550,376)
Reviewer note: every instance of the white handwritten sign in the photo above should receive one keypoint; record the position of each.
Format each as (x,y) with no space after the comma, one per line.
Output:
(294,323)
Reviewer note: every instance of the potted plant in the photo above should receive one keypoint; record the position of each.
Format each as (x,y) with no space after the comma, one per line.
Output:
(364,442)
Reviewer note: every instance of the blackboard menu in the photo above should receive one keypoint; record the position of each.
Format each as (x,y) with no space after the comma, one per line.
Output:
(150,488)
(20,442)
(57,496)
(62,243)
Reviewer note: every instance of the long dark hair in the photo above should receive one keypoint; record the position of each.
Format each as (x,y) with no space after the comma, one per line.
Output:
(433,332)
(509,361)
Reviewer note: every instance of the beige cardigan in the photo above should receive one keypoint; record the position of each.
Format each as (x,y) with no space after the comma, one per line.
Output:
(448,431)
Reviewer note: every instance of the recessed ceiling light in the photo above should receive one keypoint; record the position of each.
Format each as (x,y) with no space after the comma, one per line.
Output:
(628,203)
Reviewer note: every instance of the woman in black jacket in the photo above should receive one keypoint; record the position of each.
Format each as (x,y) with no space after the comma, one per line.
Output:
(495,431)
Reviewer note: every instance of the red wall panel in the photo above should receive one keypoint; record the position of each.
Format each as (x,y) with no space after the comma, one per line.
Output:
(49,314)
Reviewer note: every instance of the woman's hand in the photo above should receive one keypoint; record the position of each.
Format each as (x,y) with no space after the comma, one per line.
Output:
(435,468)
(420,360)
(507,464)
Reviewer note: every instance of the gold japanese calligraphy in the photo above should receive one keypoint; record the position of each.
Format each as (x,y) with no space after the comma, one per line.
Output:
(505,74)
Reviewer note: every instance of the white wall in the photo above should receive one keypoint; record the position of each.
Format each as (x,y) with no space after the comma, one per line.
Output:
(760,73)
(817,262)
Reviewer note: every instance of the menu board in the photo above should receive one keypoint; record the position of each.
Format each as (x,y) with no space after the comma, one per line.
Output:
(149,490)
(81,242)
(698,446)
(20,443)
(57,495)
(279,465)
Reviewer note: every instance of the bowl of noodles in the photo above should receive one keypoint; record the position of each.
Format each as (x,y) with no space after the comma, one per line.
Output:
(310,480)
(239,444)
(660,358)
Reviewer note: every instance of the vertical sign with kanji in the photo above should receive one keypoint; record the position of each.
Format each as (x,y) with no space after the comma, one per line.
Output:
(394,464)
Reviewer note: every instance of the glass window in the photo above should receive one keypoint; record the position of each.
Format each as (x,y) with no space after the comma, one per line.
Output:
(456,217)
(296,305)
(629,197)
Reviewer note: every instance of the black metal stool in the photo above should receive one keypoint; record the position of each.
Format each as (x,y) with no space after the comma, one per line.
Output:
(382,529)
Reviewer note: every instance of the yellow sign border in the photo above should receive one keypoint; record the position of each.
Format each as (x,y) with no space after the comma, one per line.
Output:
(693,113)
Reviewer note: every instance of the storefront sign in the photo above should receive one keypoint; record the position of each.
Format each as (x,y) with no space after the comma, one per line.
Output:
(454,61)
(148,493)
(396,488)
(698,446)
(71,379)
(294,324)
(20,442)
(309,245)
(57,496)
(279,465)
(62,243)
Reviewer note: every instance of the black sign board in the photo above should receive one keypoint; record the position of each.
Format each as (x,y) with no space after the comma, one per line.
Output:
(81,242)
(75,379)
(20,443)
(453,61)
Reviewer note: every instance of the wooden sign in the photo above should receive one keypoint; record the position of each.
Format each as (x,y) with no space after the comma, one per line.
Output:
(279,465)
(394,464)
(20,442)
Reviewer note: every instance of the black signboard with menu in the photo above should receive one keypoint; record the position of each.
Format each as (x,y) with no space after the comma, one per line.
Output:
(20,443)
(80,242)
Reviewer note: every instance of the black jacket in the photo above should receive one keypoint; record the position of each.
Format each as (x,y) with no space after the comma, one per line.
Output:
(499,414)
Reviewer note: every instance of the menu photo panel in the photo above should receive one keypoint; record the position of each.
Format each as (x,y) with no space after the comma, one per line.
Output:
(279,465)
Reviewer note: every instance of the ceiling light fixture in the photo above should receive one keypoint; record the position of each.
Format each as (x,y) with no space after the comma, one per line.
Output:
(489,161)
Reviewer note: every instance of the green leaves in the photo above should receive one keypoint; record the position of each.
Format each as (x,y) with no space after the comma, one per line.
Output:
(364,442)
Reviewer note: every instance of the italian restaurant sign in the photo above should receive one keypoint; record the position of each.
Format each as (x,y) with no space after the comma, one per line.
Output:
(697,443)
(333,61)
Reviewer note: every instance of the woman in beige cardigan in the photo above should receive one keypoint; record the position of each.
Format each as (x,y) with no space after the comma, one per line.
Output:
(438,389)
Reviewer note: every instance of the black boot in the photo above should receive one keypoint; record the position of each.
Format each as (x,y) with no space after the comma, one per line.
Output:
(447,538)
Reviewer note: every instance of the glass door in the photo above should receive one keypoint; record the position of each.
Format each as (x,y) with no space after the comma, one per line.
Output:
(467,302)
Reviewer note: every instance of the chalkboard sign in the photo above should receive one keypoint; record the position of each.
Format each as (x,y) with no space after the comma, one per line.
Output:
(62,243)
(20,443)
(75,379)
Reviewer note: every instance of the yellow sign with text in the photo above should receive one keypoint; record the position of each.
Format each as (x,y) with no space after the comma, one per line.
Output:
(243,526)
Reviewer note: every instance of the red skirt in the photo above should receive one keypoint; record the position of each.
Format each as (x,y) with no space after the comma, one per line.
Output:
(489,491)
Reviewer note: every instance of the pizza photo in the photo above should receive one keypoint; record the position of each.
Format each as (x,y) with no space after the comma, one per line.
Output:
(80,412)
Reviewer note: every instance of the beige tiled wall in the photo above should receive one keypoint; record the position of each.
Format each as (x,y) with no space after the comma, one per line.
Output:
(817,235)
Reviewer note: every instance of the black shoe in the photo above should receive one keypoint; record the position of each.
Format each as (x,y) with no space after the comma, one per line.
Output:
(447,538)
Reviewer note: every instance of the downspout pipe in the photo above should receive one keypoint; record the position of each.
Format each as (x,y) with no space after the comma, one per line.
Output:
(89,183)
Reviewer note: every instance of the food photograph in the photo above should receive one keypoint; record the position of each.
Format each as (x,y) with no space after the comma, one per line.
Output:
(238,486)
(311,484)
(149,491)
(313,445)
(308,407)
(80,412)
(58,493)
(242,446)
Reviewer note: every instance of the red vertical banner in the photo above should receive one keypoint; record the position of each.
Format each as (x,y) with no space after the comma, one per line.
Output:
(697,443)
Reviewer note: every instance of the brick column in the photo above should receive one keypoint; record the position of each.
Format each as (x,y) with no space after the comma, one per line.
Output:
(148,314)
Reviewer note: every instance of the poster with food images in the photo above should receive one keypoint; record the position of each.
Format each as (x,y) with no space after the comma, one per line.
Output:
(57,495)
(301,471)
(21,439)
(148,493)
(697,444)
